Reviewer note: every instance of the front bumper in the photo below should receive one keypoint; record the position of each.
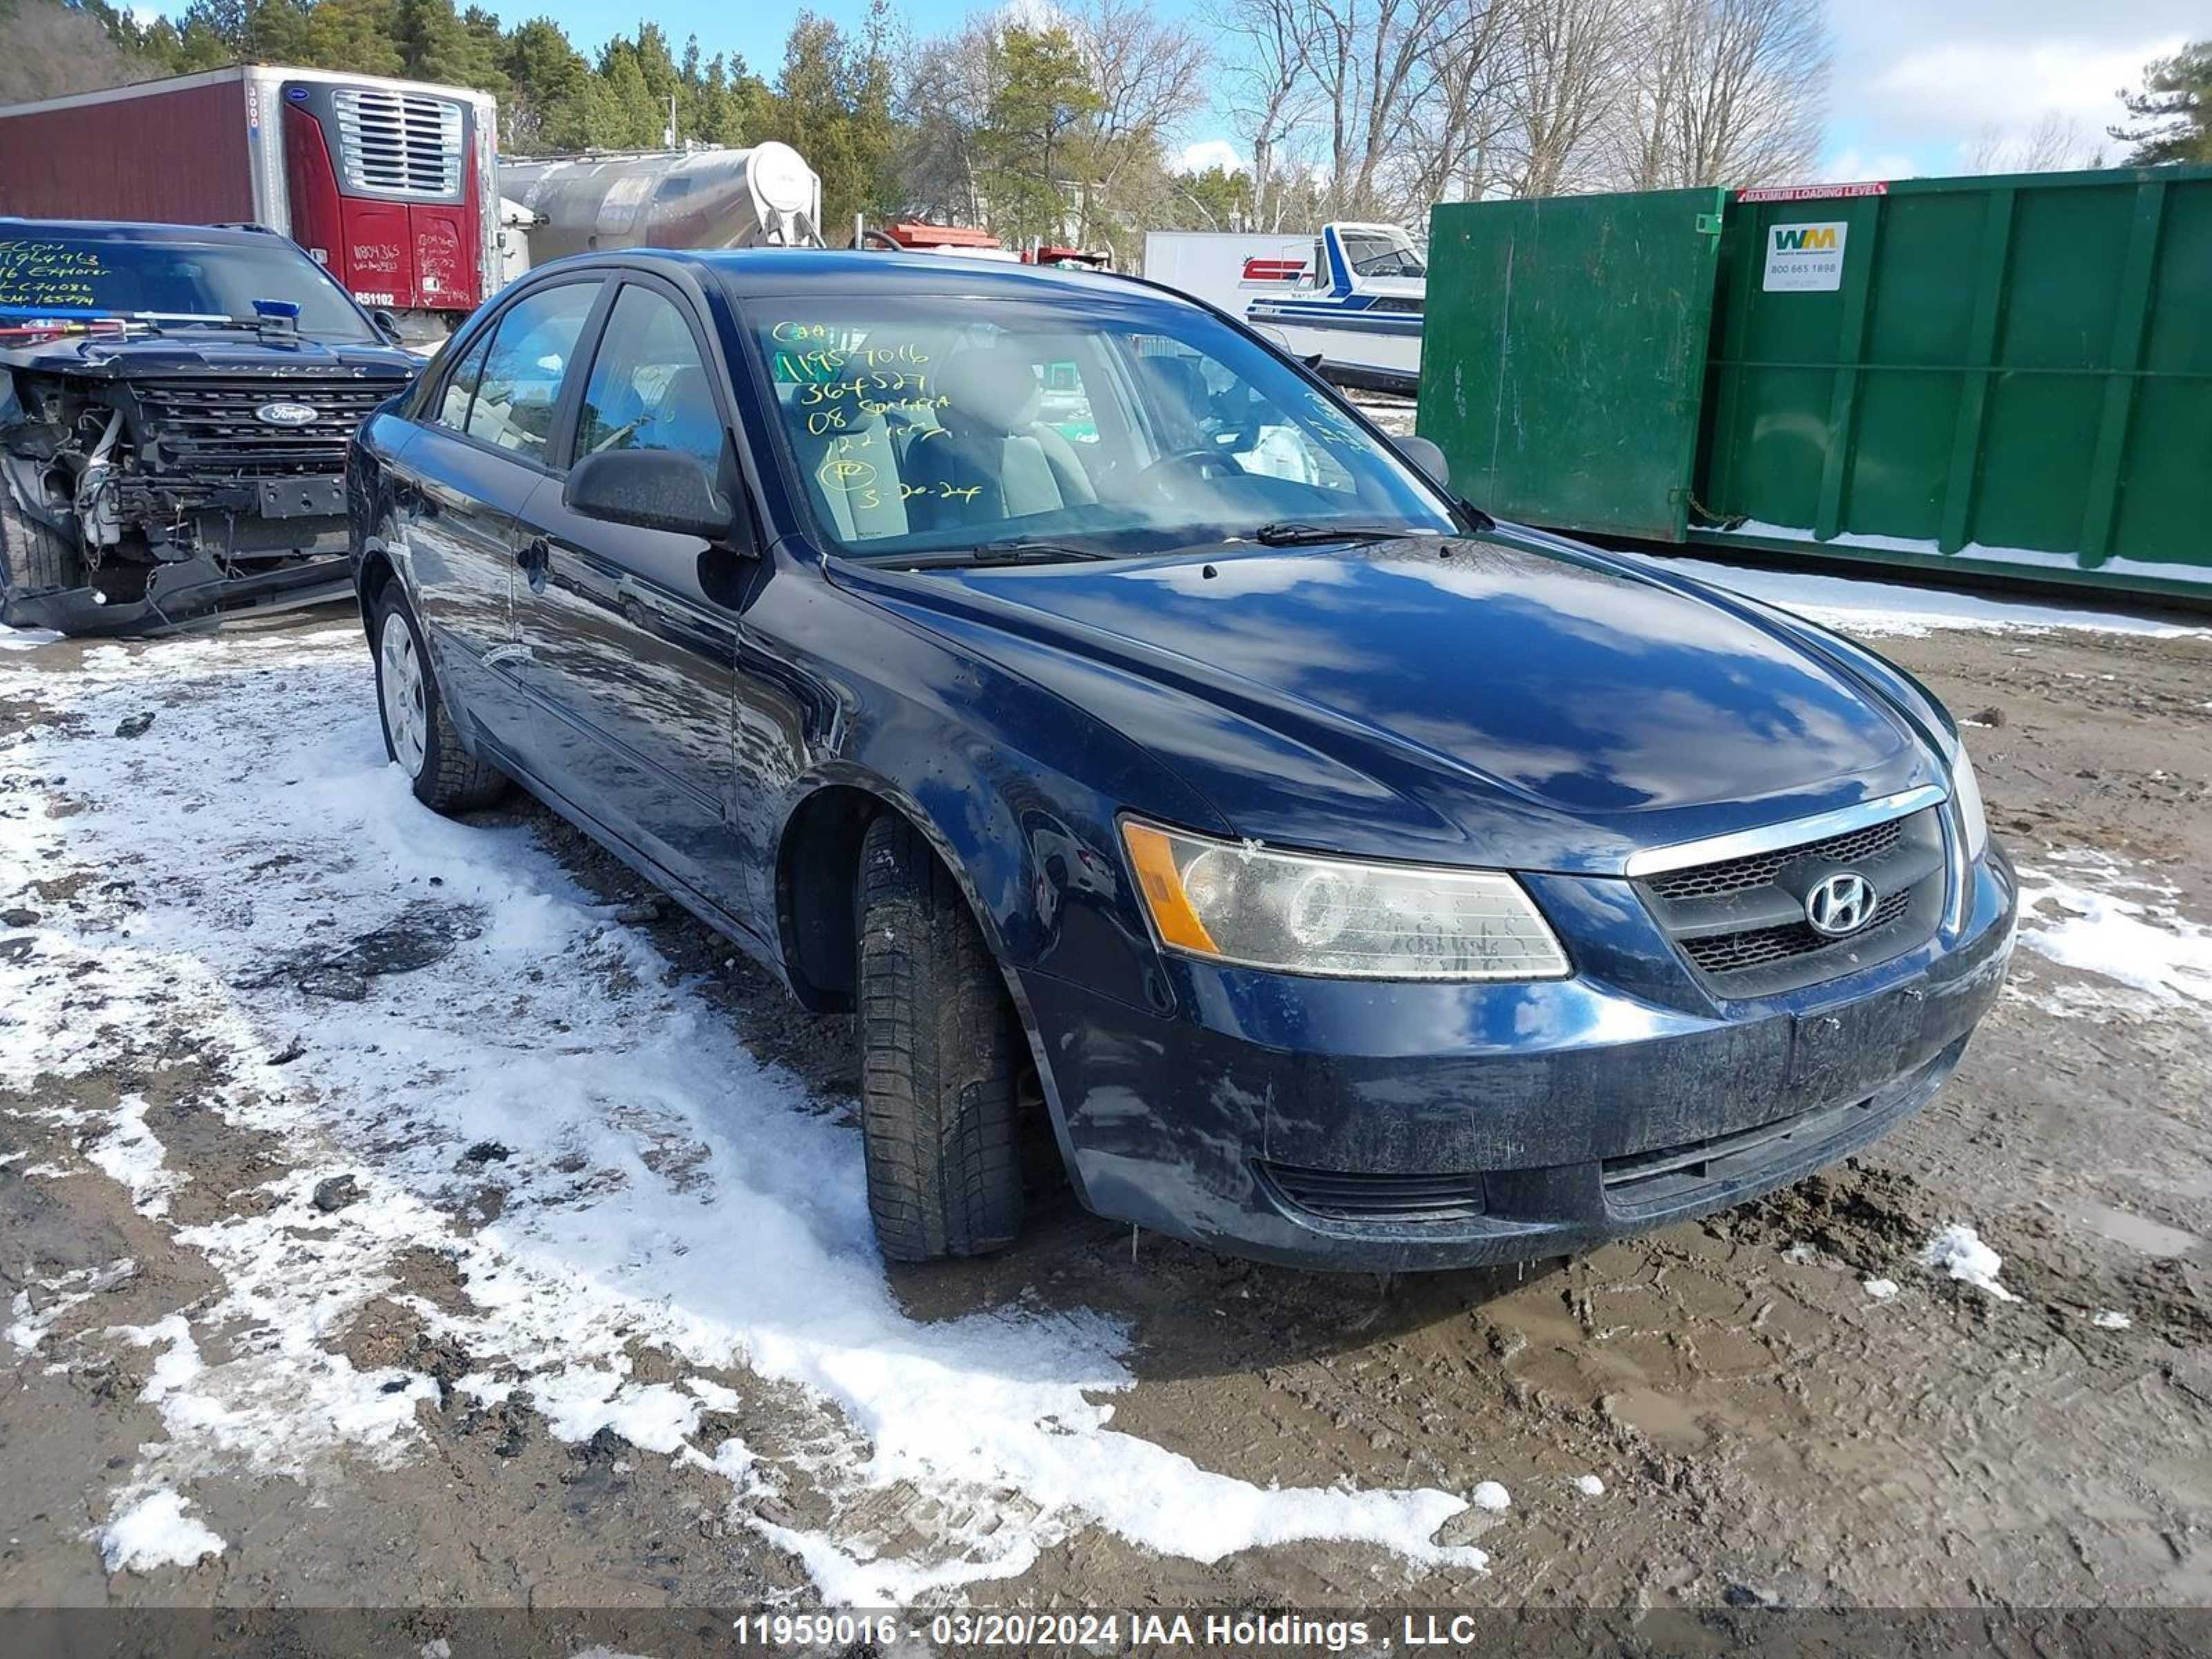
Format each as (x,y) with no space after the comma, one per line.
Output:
(1384,1128)
(194,590)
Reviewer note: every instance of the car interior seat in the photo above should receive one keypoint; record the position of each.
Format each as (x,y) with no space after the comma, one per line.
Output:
(990,458)
(851,472)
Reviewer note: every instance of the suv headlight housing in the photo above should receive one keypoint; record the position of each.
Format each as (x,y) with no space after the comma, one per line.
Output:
(1296,912)
(1967,790)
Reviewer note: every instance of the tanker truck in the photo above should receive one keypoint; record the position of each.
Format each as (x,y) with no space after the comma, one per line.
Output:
(761,195)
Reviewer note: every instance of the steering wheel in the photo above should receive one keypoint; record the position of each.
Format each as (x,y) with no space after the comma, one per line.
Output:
(1205,463)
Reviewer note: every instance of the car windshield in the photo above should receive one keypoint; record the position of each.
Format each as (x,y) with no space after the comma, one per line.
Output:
(176,284)
(930,423)
(1382,253)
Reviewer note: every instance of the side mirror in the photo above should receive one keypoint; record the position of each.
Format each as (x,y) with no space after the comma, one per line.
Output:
(1426,459)
(650,489)
(387,324)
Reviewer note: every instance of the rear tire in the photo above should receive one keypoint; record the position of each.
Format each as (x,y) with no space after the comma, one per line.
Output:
(418,731)
(33,557)
(941,1053)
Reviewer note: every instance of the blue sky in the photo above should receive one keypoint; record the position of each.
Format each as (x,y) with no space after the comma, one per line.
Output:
(1918,83)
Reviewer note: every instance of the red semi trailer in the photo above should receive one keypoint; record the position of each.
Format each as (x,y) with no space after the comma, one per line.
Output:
(390,185)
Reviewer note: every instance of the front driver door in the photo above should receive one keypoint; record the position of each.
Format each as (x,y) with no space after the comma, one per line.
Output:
(630,636)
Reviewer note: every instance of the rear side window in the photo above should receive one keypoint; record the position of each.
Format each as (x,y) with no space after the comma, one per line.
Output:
(531,351)
(453,402)
(649,389)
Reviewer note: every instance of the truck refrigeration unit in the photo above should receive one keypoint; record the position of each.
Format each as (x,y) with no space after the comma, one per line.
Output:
(1351,296)
(390,184)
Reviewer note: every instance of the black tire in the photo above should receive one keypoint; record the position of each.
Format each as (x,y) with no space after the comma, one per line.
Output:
(941,1058)
(448,779)
(33,558)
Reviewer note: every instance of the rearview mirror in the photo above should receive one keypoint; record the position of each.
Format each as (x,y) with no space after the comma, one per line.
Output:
(387,324)
(1426,459)
(651,488)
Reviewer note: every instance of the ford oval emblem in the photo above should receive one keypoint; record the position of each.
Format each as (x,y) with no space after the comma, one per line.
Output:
(280,413)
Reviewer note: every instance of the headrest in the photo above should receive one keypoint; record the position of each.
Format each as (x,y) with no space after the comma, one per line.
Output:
(990,387)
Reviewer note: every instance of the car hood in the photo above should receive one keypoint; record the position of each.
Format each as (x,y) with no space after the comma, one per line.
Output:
(208,352)
(1501,698)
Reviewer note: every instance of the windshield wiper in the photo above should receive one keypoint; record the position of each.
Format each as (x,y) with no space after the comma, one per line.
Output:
(1016,551)
(1296,532)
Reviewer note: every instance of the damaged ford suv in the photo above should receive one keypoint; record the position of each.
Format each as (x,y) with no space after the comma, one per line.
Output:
(174,407)
(1148,750)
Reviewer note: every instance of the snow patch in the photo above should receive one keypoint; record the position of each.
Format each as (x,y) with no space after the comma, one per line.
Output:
(1897,610)
(1958,1250)
(130,1154)
(663,1188)
(154,1531)
(1880,1289)
(1589,1486)
(1489,1495)
(2106,1319)
(2143,942)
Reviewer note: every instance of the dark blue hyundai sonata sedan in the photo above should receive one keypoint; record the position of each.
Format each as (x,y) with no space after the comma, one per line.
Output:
(1142,746)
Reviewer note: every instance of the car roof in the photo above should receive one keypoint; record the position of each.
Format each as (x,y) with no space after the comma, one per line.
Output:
(121,230)
(742,272)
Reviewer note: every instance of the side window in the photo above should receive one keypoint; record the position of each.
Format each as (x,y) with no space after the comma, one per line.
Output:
(648,388)
(522,373)
(453,402)
(1065,405)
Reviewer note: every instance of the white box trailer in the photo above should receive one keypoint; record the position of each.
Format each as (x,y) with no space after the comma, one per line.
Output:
(1351,295)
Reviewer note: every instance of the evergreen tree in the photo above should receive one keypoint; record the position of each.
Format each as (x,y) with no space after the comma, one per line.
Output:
(2171,116)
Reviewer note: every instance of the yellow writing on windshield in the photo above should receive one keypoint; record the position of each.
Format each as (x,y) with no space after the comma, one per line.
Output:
(59,273)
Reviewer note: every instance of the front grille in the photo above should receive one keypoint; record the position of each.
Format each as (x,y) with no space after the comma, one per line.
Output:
(1729,953)
(401,143)
(1740,922)
(1758,869)
(206,427)
(1343,1195)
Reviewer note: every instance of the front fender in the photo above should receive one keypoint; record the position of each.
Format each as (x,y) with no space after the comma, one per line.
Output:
(1018,790)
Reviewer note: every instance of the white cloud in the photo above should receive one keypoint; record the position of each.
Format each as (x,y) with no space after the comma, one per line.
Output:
(1939,84)
(1853,166)
(1210,153)
(2006,83)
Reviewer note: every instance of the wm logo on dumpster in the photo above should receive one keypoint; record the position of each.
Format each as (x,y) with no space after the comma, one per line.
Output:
(1804,238)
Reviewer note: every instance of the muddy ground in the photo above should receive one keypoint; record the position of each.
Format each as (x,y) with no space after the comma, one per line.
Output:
(1763,1426)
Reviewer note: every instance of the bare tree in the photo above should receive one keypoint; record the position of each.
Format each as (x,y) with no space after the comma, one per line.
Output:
(945,100)
(1149,77)
(1722,92)
(2056,143)
(1272,97)
(1567,71)
(1450,148)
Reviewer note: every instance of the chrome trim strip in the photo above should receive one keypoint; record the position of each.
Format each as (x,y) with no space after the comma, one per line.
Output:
(1741,843)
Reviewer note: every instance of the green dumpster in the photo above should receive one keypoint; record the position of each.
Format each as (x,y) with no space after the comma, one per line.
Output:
(2009,376)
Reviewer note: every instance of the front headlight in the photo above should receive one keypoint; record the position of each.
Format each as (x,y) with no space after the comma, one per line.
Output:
(1295,914)
(1967,790)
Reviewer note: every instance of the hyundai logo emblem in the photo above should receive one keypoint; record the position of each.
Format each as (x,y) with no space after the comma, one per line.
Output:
(1843,904)
(281,413)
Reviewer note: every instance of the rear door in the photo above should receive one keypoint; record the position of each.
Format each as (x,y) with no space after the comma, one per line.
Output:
(629,636)
(479,456)
(1563,355)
